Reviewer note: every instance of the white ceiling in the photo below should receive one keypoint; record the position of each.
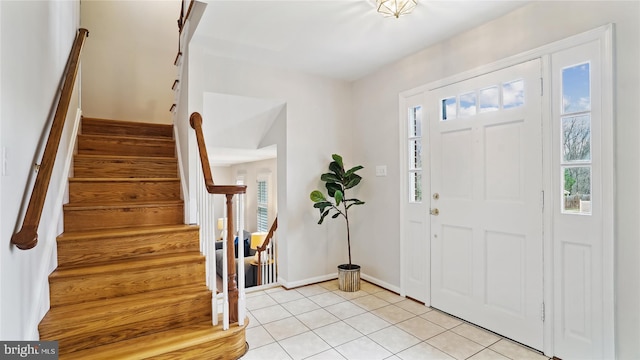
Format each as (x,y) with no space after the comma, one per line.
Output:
(343,39)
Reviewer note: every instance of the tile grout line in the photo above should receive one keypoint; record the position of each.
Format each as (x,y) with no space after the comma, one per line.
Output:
(361,335)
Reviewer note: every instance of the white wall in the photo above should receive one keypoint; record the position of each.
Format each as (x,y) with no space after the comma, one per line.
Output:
(375,101)
(36,37)
(250,171)
(128,64)
(317,124)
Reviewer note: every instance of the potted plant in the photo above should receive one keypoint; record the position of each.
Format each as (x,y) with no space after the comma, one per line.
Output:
(337,182)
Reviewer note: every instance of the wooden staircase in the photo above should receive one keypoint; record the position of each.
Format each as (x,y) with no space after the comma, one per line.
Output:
(130,282)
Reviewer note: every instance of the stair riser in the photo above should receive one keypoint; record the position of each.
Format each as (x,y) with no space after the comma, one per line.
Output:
(124,128)
(100,286)
(116,324)
(108,218)
(120,146)
(92,251)
(229,348)
(91,192)
(124,168)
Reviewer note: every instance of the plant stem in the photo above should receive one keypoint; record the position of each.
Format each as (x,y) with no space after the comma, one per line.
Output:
(346,217)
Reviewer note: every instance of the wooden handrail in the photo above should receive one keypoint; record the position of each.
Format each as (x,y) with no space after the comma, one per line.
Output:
(263,247)
(196,123)
(27,237)
(267,239)
(228,190)
(184,16)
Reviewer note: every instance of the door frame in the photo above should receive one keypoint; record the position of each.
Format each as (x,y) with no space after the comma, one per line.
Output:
(604,35)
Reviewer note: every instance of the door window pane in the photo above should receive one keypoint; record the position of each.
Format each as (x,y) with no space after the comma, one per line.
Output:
(576,138)
(577,189)
(489,99)
(449,108)
(415,121)
(415,154)
(576,88)
(468,104)
(513,94)
(415,187)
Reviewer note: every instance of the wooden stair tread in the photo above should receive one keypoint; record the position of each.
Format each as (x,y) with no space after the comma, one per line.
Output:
(123,232)
(129,265)
(85,325)
(123,157)
(81,313)
(126,128)
(141,180)
(141,139)
(122,204)
(161,342)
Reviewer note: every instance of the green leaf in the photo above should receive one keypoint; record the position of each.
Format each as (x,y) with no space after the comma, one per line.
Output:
(316,196)
(323,216)
(322,205)
(338,196)
(353,170)
(355,203)
(355,180)
(335,215)
(337,169)
(332,188)
(337,158)
(329,177)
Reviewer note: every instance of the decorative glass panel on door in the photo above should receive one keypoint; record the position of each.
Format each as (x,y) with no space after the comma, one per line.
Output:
(576,138)
(576,88)
(489,99)
(449,108)
(577,190)
(513,94)
(468,104)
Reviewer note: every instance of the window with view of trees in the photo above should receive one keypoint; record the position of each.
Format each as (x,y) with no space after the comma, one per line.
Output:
(575,129)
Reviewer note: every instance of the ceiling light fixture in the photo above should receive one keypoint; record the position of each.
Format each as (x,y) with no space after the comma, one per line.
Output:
(395,7)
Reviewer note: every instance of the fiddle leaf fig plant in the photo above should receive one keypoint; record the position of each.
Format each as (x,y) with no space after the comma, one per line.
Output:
(337,181)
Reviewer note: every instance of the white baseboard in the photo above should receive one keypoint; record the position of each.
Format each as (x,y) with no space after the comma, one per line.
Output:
(323,278)
(299,283)
(380,283)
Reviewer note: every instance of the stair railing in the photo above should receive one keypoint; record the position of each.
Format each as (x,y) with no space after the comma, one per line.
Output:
(27,237)
(267,265)
(233,299)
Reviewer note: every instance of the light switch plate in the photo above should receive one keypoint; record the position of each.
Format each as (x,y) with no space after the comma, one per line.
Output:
(381,170)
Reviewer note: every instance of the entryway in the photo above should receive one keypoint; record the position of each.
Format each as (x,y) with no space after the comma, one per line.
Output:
(482,185)
(506,196)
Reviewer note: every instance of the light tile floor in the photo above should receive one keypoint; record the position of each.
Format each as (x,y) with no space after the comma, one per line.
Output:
(320,322)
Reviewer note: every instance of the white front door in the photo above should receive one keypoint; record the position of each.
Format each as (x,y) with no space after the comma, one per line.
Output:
(486,210)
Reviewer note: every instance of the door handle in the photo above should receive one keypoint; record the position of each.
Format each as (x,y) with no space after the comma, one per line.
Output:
(435,212)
